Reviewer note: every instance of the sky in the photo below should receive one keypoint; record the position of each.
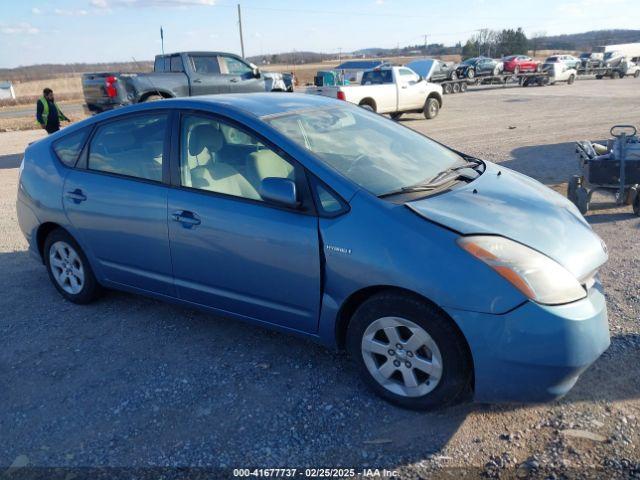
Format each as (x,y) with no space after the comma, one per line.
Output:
(69,31)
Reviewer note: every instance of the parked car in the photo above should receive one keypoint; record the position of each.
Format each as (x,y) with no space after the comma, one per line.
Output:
(614,58)
(477,67)
(592,60)
(569,60)
(183,74)
(560,72)
(319,218)
(521,63)
(434,70)
(633,68)
(390,90)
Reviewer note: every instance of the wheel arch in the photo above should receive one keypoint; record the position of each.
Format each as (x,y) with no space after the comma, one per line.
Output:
(43,232)
(164,94)
(369,101)
(437,96)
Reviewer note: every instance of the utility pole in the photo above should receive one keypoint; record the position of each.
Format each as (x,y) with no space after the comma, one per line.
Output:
(240,27)
(340,55)
(426,45)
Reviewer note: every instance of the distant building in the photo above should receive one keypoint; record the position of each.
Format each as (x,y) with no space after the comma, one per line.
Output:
(7,91)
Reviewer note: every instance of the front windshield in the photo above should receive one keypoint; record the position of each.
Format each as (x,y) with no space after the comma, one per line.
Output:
(608,55)
(470,61)
(375,153)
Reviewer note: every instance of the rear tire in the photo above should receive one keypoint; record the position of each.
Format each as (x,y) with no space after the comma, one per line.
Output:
(582,200)
(431,108)
(68,268)
(572,188)
(409,352)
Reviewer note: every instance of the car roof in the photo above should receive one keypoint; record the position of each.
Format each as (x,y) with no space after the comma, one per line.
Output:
(256,105)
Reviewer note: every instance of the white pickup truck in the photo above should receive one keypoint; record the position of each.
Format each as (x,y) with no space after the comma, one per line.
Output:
(390,90)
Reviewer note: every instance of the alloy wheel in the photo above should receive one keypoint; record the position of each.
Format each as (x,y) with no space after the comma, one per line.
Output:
(66,267)
(401,356)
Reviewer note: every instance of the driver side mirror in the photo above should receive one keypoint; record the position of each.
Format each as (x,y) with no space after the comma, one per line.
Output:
(281,191)
(256,72)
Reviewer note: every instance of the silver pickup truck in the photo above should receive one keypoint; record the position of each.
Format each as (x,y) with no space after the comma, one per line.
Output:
(182,74)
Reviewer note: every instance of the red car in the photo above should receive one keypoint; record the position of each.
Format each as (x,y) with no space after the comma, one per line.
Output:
(521,63)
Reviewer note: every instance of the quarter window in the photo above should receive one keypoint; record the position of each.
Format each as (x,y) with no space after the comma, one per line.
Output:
(221,158)
(68,148)
(132,147)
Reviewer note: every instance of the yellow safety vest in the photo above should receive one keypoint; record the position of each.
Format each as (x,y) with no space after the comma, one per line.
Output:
(45,111)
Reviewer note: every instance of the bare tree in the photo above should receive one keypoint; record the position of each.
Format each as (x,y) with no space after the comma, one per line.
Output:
(537,41)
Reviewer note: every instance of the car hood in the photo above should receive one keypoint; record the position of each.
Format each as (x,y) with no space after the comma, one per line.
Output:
(507,203)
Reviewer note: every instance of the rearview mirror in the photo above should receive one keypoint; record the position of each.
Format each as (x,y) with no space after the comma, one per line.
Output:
(279,190)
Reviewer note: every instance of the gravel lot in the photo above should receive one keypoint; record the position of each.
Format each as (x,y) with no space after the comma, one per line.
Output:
(130,381)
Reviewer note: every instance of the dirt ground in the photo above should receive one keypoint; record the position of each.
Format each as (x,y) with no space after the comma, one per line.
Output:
(129,381)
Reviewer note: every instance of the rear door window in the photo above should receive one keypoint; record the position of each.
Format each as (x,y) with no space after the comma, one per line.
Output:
(132,147)
(205,64)
(176,64)
(68,148)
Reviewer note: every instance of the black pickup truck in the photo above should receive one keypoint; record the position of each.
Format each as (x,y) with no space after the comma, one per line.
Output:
(182,74)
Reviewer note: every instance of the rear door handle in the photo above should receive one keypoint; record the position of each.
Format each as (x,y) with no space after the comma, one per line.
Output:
(76,196)
(186,218)
(234,80)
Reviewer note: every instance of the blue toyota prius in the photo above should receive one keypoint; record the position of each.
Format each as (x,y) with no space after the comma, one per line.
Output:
(440,273)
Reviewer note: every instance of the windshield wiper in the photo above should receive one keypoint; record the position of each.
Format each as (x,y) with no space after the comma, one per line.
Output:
(443,178)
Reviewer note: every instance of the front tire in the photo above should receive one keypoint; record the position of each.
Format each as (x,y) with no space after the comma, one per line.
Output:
(396,115)
(431,108)
(69,269)
(471,73)
(409,352)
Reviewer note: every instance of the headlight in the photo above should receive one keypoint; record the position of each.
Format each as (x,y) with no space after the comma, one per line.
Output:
(537,276)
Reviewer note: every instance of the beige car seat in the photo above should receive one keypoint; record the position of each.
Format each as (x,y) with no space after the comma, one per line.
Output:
(266,163)
(212,174)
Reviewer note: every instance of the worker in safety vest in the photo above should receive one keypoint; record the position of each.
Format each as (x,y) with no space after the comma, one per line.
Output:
(48,113)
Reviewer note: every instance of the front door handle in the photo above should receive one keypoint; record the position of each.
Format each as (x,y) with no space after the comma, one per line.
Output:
(197,81)
(76,196)
(234,80)
(186,218)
